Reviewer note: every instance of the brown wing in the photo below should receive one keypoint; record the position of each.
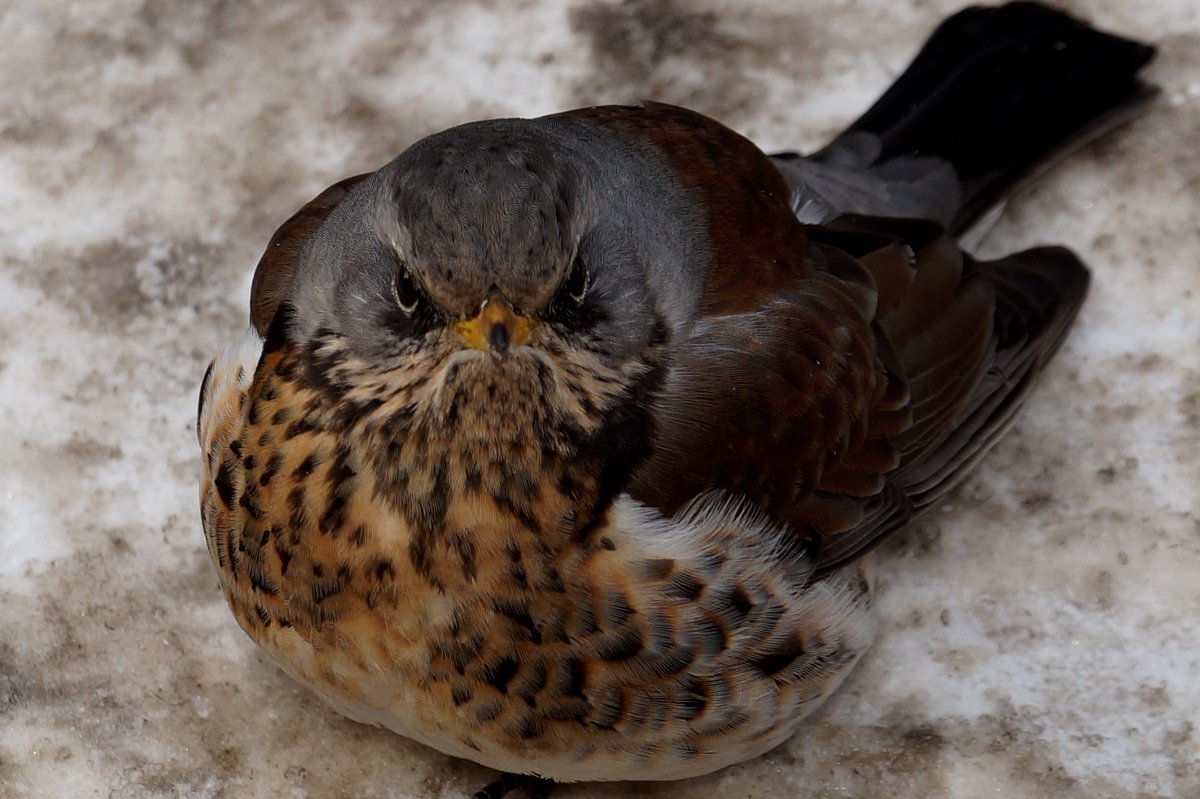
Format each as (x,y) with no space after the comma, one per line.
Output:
(968,338)
(842,377)
(275,270)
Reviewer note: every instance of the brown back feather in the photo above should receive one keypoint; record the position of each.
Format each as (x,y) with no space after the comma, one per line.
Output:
(842,377)
(276,269)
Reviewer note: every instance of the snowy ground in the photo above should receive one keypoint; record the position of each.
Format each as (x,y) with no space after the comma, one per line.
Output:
(1040,634)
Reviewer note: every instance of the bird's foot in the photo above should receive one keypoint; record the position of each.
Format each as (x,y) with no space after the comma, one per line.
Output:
(538,788)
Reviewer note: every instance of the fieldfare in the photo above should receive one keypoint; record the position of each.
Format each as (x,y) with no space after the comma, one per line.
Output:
(561,444)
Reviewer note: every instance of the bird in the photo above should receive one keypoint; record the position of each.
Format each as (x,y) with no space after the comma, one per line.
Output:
(563,445)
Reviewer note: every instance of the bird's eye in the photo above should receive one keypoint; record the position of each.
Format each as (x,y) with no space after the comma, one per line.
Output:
(577,282)
(404,291)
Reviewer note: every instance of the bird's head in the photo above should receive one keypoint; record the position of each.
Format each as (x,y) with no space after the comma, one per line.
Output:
(481,282)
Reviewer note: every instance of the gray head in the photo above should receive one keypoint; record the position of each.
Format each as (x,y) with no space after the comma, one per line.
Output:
(469,211)
(496,249)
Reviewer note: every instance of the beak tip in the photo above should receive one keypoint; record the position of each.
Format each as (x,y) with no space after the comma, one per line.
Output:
(499,339)
(496,328)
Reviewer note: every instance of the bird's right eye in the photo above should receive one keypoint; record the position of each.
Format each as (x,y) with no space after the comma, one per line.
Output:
(405,291)
(577,281)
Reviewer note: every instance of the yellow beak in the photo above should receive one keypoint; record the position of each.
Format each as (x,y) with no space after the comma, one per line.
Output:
(497,327)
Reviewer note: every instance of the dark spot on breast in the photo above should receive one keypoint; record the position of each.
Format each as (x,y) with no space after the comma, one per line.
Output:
(658,569)
(322,589)
(464,546)
(517,572)
(450,419)
(586,406)
(272,468)
(518,612)
(616,609)
(383,570)
(460,696)
(586,526)
(334,516)
(285,369)
(552,582)
(499,674)
(283,552)
(280,417)
(732,602)
(473,480)
(259,580)
(399,420)
(533,680)
(620,645)
(685,585)
(250,505)
(566,483)
(519,509)
(349,413)
(295,503)
(299,428)
(340,472)
(223,481)
(418,555)
(488,710)
(461,652)
(529,727)
(770,661)
(761,623)
(608,709)
(571,677)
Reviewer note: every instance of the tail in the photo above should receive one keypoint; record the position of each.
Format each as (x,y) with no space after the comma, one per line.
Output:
(996,93)
(1002,93)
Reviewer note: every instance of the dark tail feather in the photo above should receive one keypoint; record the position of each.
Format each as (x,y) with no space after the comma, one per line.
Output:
(1000,92)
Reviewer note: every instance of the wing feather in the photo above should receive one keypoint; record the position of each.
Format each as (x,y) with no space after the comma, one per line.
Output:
(852,399)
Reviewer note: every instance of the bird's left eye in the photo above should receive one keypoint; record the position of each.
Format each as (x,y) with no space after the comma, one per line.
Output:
(577,282)
(405,292)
